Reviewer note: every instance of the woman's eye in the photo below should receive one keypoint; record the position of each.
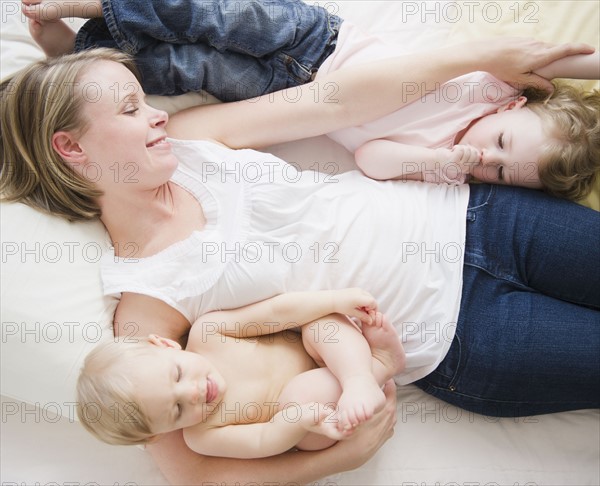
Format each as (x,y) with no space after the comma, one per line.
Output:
(501,140)
(500,173)
(131,111)
(178,410)
(178,373)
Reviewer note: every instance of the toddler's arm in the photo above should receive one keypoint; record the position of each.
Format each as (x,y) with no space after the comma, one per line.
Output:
(386,159)
(290,310)
(251,441)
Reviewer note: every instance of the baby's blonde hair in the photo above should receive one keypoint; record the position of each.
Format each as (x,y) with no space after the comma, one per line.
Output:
(570,162)
(37,102)
(106,404)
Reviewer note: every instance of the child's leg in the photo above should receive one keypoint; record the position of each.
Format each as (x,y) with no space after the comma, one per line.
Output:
(387,350)
(318,385)
(360,368)
(232,49)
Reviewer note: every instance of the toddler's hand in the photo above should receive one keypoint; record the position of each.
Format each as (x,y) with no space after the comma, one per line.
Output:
(456,164)
(356,303)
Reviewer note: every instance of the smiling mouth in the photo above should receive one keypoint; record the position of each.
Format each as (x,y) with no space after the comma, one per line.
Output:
(160,141)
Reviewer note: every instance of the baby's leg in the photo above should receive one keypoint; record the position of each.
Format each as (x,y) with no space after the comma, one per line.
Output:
(335,342)
(59,9)
(54,37)
(386,347)
(317,385)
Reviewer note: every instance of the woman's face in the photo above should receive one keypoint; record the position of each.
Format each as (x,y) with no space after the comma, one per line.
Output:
(124,142)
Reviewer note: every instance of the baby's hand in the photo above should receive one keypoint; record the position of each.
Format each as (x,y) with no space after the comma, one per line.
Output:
(356,303)
(457,163)
(324,421)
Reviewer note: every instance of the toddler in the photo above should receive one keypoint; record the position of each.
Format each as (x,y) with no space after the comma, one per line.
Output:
(478,126)
(264,393)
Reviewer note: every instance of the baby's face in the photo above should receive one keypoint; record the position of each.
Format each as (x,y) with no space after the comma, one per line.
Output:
(175,388)
(511,143)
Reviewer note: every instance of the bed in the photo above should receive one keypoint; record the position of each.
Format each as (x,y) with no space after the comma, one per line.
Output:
(53,311)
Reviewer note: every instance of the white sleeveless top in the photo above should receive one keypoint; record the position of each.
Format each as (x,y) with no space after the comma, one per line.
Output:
(432,121)
(271,229)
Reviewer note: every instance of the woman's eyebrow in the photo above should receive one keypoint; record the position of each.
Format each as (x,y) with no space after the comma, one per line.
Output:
(134,97)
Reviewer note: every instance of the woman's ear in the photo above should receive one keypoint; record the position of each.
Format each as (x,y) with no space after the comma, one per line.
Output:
(163,342)
(65,145)
(514,105)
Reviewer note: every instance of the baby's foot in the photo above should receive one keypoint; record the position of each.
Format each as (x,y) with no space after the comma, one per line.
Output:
(386,348)
(54,37)
(361,398)
(59,9)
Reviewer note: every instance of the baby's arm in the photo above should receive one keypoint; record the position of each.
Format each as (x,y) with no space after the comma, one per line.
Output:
(290,310)
(581,66)
(386,159)
(251,441)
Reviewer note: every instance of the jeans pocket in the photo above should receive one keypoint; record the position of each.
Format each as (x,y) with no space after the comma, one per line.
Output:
(446,374)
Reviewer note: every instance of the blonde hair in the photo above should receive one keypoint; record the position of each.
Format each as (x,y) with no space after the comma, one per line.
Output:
(570,162)
(37,102)
(106,405)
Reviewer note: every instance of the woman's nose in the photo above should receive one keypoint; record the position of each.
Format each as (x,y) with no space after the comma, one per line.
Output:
(158,118)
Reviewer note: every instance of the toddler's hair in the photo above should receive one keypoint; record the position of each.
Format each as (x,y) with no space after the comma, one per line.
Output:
(570,163)
(106,405)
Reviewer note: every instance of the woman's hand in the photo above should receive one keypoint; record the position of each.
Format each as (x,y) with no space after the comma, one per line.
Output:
(356,303)
(515,60)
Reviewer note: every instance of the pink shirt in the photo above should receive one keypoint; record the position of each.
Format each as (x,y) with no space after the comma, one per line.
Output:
(434,120)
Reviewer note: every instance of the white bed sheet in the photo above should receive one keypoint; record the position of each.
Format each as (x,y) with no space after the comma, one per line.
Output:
(434,443)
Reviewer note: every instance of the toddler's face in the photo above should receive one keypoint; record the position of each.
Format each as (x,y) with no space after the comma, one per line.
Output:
(511,143)
(176,388)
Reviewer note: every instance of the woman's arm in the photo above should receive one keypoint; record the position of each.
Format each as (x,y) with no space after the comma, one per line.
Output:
(139,315)
(582,66)
(289,310)
(182,466)
(357,95)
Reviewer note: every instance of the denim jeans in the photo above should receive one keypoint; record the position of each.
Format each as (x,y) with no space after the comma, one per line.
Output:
(233,49)
(528,334)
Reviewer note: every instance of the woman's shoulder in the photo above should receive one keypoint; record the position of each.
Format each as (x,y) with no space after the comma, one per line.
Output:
(140,315)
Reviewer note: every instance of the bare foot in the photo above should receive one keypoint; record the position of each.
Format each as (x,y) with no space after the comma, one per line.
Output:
(386,348)
(59,9)
(361,398)
(54,37)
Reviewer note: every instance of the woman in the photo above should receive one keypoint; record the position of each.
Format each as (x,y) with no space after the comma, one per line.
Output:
(257,228)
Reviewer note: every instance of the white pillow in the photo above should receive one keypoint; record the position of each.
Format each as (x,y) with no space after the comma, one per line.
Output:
(53,311)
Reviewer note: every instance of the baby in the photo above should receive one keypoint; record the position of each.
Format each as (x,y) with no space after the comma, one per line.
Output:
(474,126)
(246,386)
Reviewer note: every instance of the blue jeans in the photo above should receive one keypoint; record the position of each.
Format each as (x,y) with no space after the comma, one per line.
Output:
(528,333)
(230,48)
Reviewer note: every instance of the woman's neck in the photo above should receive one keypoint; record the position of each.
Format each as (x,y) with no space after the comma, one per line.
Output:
(134,219)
